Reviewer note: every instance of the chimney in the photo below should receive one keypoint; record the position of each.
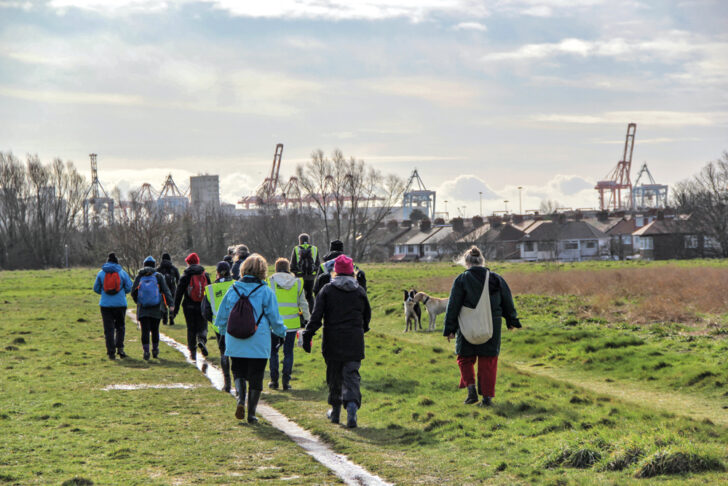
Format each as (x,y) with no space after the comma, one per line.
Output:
(603,216)
(477,221)
(660,215)
(406,223)
(425,225)
(495,221)
(458,224)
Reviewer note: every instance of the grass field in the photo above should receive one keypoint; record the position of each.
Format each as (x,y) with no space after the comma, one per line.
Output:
(582,397)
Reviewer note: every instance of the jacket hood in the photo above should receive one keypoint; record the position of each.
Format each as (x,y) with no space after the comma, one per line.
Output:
(111,267)
(194,270)
(345,283)
(285,280)
(332,255)
(147,271)
(166,264)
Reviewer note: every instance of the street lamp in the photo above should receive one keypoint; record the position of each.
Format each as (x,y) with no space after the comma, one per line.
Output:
(506,203)
(520,200)
(445,207)
(480,193)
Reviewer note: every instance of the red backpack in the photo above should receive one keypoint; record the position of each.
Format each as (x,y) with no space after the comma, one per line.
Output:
(241,322)
(196,287)
(112,283)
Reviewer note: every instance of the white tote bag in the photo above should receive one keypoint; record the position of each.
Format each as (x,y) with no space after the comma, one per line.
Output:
(476,325)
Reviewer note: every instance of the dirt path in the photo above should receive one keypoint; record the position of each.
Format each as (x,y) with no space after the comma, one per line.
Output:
(339,464)
(695,407)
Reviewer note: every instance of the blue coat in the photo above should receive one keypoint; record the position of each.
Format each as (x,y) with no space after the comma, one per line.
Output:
(119,298)
(263,300)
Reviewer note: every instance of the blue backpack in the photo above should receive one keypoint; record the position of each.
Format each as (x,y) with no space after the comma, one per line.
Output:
(149,294)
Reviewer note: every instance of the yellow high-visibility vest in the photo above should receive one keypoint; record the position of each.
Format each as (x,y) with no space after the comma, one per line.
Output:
(288,303)
(214,294)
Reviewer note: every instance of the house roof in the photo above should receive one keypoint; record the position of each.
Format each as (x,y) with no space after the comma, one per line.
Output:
(404,237)
(433,235)
(664,227)
(571,230)
(622,227)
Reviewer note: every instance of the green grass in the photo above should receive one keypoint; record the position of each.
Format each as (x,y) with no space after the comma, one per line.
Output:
(414,428)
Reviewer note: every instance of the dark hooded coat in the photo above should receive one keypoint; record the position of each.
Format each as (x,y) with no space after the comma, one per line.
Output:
(181,296)
(153,311)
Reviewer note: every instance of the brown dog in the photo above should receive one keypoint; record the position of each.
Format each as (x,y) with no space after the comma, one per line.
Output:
(433,305)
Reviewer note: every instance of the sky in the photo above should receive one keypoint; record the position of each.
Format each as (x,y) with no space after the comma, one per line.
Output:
(479,96)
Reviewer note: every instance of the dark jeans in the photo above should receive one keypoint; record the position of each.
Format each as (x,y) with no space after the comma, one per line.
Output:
(224,360)
(150,325)
(114,328)
(308,290)
(288,345)
(343,380)
(249,369)
(167,315)
(196,328)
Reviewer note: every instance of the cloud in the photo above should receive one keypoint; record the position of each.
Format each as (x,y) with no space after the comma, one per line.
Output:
(27,6)
(413,10)
(442,92)
(471,26)
(466,188)
(655,118)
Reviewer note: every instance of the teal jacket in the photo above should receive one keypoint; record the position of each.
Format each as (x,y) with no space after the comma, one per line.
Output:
(263,300)
(466,291)
(119,298)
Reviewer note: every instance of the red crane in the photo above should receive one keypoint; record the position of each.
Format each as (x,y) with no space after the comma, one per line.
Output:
(619,177)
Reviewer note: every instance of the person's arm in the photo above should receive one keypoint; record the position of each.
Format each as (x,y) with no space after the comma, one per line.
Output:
(176,274)
(315,322)
(303,304)
(454,304)
(367,315)
(507,305)
(207,276)
(361,277)
(181,289)
(98,285)
(165,291)
(126,282)
(270,308)
(294,262)
(317,263)
(135,289)
(205,306)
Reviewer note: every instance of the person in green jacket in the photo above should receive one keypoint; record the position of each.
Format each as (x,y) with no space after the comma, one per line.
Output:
(214,293)
(466,291)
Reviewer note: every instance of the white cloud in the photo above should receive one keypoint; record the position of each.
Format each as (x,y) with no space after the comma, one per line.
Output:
(471,26)
(51,96)
(466,188)
(27,6)
(442,92)
(654,118)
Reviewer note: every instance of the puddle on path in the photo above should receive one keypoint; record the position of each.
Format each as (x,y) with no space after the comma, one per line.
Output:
(349,472)
(147,386)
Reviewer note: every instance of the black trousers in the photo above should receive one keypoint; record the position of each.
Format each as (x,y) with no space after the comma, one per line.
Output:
(308,290)
(344,382)
(196,328)
(114,319)
(224,360)
(150,325)
(249,369)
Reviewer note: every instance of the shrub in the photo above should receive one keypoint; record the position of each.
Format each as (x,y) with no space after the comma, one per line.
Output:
(677,462)
(624,458)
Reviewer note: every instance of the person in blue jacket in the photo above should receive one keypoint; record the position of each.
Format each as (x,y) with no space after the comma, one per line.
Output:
(113,283)
(248,357)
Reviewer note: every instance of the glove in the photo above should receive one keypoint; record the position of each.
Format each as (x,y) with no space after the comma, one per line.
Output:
(514,324)
(279,342)
(307,343)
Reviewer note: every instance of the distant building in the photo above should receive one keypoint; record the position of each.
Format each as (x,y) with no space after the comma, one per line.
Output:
(205,191)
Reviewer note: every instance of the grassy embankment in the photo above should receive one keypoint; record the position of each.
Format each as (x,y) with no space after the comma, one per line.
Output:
(414,427)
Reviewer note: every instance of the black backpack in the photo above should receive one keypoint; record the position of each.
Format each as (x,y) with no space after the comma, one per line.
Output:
(242,323)
(306,260)
(168,277)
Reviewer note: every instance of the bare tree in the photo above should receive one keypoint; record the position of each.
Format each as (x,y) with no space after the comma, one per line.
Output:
(549,206)
(705,196)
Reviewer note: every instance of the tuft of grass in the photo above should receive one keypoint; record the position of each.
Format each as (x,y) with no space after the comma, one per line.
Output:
(665,461)
(77,481)
(578,458)
(622,459)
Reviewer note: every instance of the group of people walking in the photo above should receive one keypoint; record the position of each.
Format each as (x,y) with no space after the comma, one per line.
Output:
(255,316)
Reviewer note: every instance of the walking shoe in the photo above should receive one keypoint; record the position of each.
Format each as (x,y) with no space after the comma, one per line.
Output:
(351,409)
(146,355)
(193,355)
(334,414)
(203,349)
(240,412)
(121,353)
(487,402)
(286,385)
(112,357)
(273,384)
(472,395)
(253,398)
(155,353)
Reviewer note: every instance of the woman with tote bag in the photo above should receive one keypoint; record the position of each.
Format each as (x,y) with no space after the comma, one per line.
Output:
(475,323)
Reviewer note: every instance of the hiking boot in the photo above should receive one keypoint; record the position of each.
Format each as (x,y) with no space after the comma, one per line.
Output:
(472,395)
(121,353)
(112,357)
(155,353)
(146,355)
(351,409)
(286,385)
(193,354)
(273,384)
(252,405)
(334,414)
(240,412)
(203,349)
(487,402)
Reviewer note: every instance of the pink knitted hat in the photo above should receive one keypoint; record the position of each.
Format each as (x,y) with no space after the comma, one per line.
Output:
(343,265)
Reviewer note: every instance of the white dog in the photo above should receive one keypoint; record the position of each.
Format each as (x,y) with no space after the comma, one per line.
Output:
(433,305)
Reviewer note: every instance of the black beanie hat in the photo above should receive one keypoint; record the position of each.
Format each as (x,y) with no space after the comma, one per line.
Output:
(336,245)
(112,258)
(223,268)
(165,256)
